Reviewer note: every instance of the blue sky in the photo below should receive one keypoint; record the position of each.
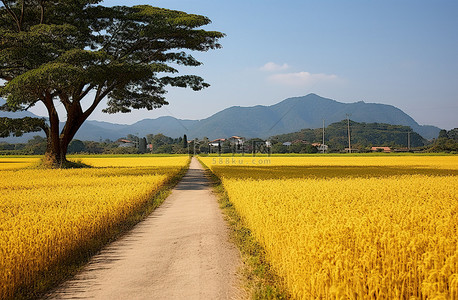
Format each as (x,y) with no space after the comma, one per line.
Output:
(403,53)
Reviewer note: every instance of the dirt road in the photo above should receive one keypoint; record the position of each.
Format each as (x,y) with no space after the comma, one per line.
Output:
(181,251)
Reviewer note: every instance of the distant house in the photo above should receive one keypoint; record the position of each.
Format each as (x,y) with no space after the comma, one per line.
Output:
(237,143)
(381,149)
(124,143)
(287,144)
(237,140)
(217,142)
(321,147)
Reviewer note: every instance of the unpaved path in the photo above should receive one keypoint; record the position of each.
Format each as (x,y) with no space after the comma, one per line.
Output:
(181,251)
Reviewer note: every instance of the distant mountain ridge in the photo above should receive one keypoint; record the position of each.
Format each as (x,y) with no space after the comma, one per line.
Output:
(289,115)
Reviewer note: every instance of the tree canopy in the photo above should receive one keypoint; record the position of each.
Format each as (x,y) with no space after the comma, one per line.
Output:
(59,52)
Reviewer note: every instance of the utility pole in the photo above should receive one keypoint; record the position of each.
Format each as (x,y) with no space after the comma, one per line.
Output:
(322,145)
(348,129)
(408,140)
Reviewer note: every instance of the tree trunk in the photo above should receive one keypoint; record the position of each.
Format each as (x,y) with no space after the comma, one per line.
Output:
(56,149)
(54,156)
(57,146)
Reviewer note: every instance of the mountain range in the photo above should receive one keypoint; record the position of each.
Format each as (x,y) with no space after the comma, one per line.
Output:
(289,115)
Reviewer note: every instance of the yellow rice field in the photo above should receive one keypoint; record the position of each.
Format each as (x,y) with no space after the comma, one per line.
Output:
(352,227)
(50,216)
(12,163)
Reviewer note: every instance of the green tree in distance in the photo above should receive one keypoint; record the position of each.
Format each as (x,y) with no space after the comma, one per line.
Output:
(185,141)
(57,52)
(142,146)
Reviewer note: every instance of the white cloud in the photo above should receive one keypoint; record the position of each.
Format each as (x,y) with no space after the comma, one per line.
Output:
(271,67)
(301,78)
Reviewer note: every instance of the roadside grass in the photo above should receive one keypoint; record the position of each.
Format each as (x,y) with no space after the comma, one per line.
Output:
(57,274)
(259,280)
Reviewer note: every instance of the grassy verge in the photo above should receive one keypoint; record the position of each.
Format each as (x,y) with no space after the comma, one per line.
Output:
(57,274)
(259,279)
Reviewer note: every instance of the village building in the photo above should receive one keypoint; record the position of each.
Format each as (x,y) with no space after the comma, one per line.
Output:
(381,149)
(124,143)
(320,147)
(217,142)
(237,140)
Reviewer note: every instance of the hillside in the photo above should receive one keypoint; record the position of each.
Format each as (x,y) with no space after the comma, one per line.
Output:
(363,135)
(294,114)
(287,116)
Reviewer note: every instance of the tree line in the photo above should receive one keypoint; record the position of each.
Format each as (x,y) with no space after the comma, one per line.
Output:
(363,135)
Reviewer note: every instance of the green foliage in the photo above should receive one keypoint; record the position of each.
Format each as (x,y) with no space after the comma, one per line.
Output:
(76,146)
(185,141)
(363,135)
(447,141)
(59,51)
(124,150)
(279,148)
(453,134)
(142,145)
(17,127)
(444,145)
(160,140)
(92,147)
(442,134)
(36,145)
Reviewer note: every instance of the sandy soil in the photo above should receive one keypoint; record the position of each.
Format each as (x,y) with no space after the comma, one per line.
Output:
(181,251)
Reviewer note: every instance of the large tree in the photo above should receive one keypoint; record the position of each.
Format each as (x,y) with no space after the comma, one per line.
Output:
(59,52)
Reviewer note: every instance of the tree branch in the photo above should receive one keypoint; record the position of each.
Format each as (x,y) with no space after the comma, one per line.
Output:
(6,78)
(13,15)
(98,98)
(64,99)
(84,93)
(48,102)
(21,19)
(42,12)
(30,105)
(17,127)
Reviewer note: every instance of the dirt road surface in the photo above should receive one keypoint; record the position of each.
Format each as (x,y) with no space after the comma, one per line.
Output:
(181,251)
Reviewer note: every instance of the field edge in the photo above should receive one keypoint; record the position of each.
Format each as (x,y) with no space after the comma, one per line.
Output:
(57,274)
(259,280)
